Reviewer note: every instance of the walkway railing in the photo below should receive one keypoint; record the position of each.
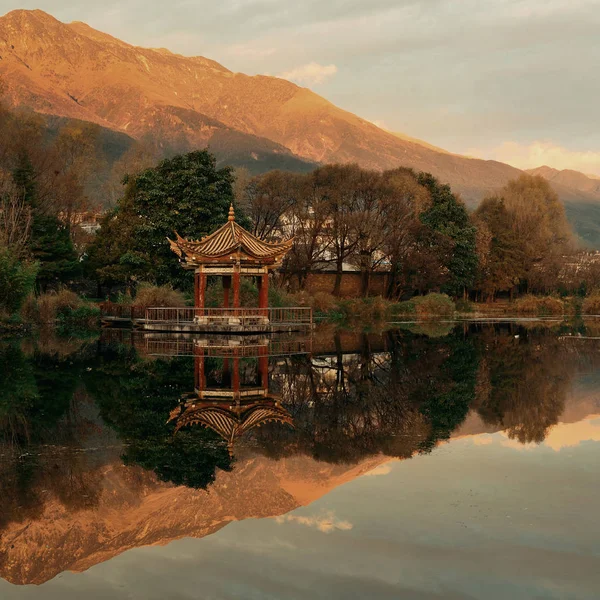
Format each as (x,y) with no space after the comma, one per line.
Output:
(239,316)
(122,311)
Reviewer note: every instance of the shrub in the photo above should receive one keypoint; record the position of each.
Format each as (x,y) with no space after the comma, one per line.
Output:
(83,317)
(591,305)
(433,305)
(539,305)
(30,310)
(404,308)
(464,306)
(278,297)
(49,305)
(361,310)
(320,302)
(17,279)
(158,296)
(248,293)
(323,302)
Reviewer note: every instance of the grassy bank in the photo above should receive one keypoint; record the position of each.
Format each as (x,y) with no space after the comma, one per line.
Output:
(63,311)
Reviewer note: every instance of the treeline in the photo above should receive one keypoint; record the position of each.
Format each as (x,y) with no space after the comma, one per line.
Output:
(417,229)
(404,223)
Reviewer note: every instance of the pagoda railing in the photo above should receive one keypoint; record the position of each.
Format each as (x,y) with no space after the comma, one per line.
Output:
(282,315)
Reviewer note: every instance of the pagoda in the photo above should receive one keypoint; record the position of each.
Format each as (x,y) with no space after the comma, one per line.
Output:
(229,407)
(231,252)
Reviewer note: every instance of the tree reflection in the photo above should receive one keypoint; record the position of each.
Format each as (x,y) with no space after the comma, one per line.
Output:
(135,398)
(523,382)
(38,409)
(399,401)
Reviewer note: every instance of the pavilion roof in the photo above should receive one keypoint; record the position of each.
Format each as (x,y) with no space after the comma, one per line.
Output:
(228,239)
(230,422)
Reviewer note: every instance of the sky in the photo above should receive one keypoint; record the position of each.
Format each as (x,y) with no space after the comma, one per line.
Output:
(512,80)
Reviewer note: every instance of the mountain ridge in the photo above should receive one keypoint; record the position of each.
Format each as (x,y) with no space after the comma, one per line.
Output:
(74,71)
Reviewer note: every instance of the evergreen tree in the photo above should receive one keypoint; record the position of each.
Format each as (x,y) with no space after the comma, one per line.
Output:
(448,216)
(186,194)
(50,242)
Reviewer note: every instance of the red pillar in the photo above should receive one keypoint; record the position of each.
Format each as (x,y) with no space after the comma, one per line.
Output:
(200,290)
(226,288)
(199,374)
(236,378)
(263,291)
(263,369)
(236,288)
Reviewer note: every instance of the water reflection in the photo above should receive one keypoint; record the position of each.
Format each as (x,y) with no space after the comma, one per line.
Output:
(231,395)
(109,444)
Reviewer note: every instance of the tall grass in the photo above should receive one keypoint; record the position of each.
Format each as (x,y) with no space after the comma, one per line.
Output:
(158,296)
(63,309)
(539,305)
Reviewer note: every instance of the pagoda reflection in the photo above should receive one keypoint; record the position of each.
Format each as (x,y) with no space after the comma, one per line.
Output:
(231,385)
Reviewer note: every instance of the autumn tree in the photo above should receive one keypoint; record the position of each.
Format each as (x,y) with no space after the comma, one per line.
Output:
(307,222)
(337,189)
(269,198)
(501,256)
(538,220)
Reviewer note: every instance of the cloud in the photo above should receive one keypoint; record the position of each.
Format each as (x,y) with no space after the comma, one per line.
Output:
(569,435)
(380,470)
(536,154)
(310,74)
(561,435)
(325,523)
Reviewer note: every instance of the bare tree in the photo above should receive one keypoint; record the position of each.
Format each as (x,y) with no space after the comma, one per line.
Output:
(15,216)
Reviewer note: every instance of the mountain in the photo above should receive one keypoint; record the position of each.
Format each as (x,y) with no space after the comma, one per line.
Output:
(135,509)
(75,71)
(261,122)
(580,194)
(570,179)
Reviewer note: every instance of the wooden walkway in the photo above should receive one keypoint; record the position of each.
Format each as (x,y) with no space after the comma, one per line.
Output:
(208,320)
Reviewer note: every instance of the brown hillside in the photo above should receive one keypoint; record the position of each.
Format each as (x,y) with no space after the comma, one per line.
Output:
(570,179)
(75,71)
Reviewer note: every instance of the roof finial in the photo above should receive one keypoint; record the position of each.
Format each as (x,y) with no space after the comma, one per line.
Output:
(231,213)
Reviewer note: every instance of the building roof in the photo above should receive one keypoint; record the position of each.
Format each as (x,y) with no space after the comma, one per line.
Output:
(229,239)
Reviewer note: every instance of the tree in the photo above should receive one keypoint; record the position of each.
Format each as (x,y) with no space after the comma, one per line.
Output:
(17,280)
(50,243)
(269,197)
(538,220)
(448,216)
(186,194)
(404,233)
(337,187)
(501,260)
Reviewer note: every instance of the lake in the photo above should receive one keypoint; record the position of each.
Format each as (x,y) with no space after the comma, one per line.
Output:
(430,461)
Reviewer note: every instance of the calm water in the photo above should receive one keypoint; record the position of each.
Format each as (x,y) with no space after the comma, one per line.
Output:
(431,462)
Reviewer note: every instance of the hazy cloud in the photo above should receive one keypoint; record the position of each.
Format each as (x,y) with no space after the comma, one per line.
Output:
(536,154)
(326,523)
(380,470)
(311,74)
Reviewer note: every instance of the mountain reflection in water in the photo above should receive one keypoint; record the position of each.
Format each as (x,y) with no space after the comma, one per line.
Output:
(128,441)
